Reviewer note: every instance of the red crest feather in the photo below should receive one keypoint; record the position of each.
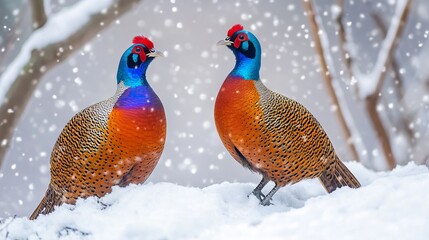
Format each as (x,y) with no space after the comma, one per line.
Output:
(234,29)
(143,40)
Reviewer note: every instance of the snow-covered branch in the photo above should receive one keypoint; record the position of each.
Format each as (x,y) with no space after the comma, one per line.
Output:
(372,83)
(399,83)
(327,76)
(64,33)
(369,86)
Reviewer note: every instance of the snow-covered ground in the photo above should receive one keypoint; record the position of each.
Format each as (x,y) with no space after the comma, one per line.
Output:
(390,205)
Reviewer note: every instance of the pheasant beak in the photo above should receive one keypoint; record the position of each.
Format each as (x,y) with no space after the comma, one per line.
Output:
(224,42)
(155,53)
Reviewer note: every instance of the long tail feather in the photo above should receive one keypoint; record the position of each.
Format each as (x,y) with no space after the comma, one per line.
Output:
(48,203)
(338,177)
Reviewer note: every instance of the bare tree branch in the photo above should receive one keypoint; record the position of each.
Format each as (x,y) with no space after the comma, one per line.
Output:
(391,61)
(47,57)
(328,77)
(371,101)
(38,12)
(405,122)
(390,46)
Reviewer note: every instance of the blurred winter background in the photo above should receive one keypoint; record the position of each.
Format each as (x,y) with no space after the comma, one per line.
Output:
(373,104)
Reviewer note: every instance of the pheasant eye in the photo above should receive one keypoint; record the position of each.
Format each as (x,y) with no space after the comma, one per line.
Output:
(138,49)
(241,37)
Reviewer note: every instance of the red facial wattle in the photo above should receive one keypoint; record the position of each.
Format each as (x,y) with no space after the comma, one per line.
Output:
(139,51)
(242,37)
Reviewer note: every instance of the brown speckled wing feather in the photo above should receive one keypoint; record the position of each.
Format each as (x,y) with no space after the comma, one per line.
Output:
(298,143)
(79,141)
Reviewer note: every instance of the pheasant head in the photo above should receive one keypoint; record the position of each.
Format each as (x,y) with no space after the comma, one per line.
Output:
(135,60)
(247,51)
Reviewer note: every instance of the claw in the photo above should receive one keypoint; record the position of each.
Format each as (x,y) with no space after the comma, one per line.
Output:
(258,190)
(267,199)
(266,202)
(258,194)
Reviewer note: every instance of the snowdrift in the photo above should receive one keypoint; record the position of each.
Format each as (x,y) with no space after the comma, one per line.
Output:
(390,205)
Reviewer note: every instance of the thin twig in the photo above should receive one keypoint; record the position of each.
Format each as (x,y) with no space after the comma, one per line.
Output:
(343,39)
(6,225)
(328,77)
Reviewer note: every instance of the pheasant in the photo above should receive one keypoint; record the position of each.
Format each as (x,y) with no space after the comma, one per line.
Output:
(268,133)
(114,142)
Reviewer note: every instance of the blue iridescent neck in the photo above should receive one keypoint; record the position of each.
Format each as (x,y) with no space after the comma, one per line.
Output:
(132,77)
(247,58)
(246,68)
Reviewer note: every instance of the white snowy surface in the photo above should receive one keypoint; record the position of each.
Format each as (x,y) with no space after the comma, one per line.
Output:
(59,26)
(390,205)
